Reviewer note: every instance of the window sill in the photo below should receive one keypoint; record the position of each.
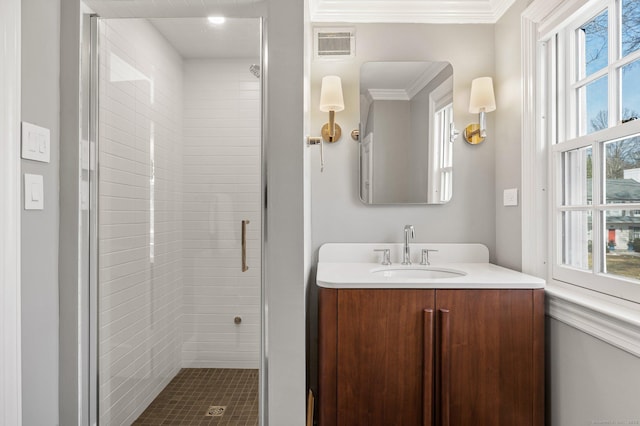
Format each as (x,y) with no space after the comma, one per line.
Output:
(607,318)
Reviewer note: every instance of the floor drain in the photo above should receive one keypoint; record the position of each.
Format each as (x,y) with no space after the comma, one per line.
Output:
(216,411)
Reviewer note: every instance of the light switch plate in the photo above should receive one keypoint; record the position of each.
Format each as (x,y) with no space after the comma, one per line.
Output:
(510,197)
(33,192)
(36,143)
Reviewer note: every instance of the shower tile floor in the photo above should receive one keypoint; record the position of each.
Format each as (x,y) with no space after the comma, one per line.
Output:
(188,397)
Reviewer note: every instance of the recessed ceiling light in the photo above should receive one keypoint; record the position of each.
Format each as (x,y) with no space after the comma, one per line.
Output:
(217,19)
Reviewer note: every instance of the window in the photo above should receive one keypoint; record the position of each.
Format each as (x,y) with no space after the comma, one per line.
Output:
(443,155)
(596,150)
(441,143)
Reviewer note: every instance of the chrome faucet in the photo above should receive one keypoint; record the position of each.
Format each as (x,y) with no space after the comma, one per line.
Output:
(406,254)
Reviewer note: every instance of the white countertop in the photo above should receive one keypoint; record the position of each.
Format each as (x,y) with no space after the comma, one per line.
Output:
(351,265)
(478,276)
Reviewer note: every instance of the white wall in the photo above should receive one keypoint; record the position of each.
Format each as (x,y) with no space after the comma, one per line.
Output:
(222,183)
(140,216)
(337,213)
(41,106)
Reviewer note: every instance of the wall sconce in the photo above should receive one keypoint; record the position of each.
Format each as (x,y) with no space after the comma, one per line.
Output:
(482,101)
(331,101)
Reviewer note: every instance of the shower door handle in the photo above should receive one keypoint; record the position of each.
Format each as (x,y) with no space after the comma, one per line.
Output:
(245,268)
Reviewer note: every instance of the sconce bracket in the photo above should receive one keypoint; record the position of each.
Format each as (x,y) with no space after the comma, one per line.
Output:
(314,140)
(472,134)
(326,133)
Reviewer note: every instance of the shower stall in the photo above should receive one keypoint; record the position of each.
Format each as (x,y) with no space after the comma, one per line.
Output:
(178,196)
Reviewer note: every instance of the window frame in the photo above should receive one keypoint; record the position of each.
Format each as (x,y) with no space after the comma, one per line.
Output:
(611,319)
(561,55)
(441,143)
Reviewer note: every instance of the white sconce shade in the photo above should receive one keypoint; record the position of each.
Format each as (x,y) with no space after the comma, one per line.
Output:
(331,94)
(482,97)
(482,101)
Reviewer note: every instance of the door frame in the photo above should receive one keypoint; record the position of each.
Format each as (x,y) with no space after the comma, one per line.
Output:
(10,289)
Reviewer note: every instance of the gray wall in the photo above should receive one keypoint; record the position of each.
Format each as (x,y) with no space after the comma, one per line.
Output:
(391,137)
(418,151)
(507,135)
(337,213)
(286,260)
(40,105)
(589,381)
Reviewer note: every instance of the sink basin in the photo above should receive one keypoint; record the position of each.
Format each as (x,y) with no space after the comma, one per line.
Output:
(417,272)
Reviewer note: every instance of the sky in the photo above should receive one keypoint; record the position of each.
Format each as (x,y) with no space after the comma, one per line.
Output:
(596,58)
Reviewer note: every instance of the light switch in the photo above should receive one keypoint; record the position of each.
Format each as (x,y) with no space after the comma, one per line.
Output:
(36,142)
(510,197)
(36,191)
(42,143)
(33,192)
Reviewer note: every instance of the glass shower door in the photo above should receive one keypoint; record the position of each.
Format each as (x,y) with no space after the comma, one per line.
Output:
(179,221)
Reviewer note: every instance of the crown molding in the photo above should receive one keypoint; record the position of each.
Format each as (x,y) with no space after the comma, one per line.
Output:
(409,11)
(425,78)
(388,94)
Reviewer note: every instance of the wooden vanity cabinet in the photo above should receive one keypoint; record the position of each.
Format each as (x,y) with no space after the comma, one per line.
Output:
(430,357)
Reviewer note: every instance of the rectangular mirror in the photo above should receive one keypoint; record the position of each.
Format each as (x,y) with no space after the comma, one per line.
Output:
(406,132)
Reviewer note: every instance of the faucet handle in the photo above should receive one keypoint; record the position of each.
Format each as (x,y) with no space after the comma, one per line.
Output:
(386,256)
(425,256)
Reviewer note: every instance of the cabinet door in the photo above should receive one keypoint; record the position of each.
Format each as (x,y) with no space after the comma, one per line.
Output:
(487,350)
(384,373)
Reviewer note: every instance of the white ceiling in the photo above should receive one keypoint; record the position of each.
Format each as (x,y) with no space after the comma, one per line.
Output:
(181,23)
(176,8)
(197,38)
(410,11)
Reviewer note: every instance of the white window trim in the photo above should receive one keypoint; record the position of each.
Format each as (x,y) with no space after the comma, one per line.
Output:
(607,318)
(440,98)
(10,312)
(614,321)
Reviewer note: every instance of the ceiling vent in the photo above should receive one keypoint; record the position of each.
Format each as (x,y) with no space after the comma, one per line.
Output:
(334,43)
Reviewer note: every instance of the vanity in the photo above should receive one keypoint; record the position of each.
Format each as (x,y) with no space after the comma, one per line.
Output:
(457,341)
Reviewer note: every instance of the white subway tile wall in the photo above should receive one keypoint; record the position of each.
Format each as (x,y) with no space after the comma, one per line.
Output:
(179,159)
(222,177)
(140,218)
